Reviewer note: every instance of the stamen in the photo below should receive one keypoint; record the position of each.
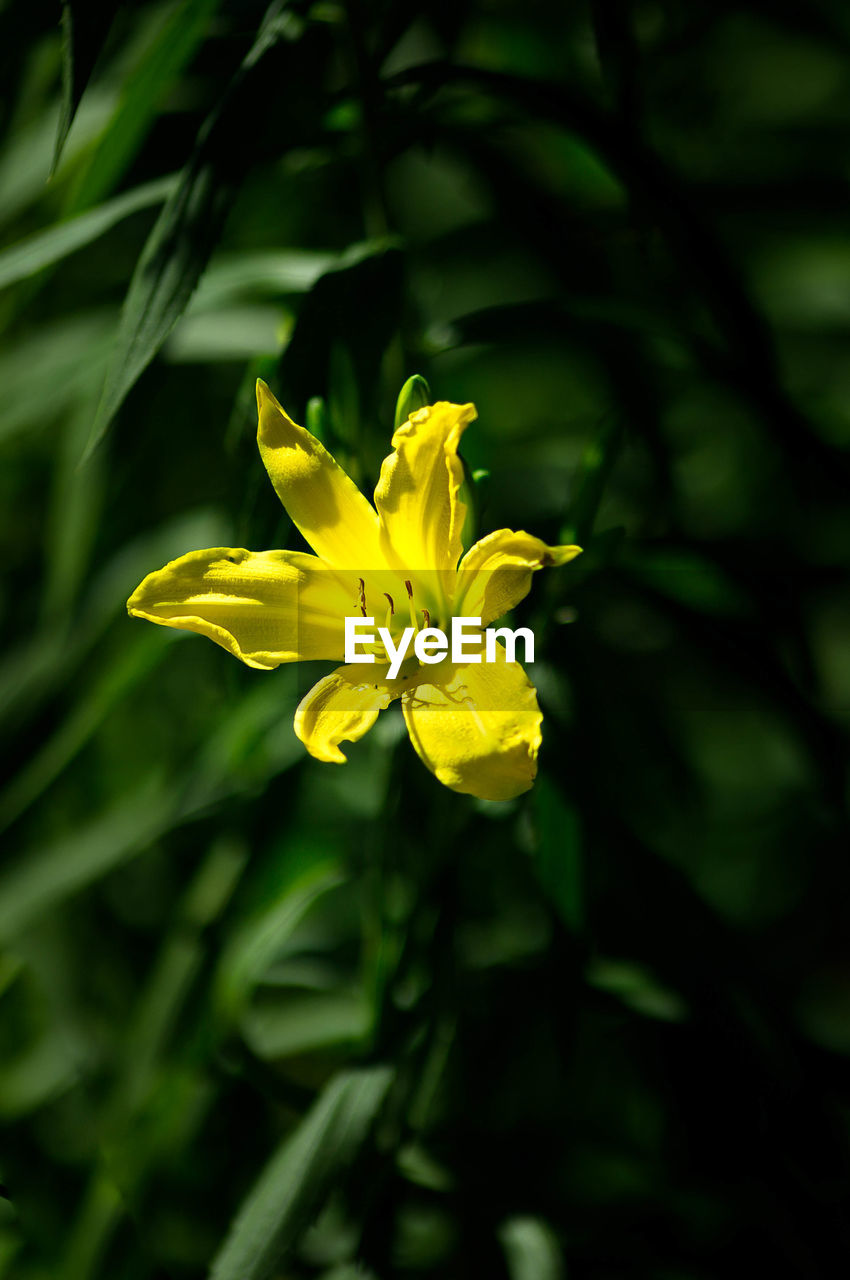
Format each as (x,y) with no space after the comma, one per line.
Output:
(409,589)
(388,619)
(362,596)
(427,617)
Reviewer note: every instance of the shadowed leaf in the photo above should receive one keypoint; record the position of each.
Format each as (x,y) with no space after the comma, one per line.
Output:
(84,31)
(300,1174)
(44,248)
(178,40)
(189,227)
(531,1249)
(558,853)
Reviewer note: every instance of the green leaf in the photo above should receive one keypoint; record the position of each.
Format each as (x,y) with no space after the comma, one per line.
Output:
(472,492)
(76,503)
(179,37)
(557,852)
(336,315)
(598,460)
(45,1069)
(300,1174)
(84,31)
(298,1023)
(173,258)
(26,151)
(316,420)
(262,938)
(48,875)
(236,333)
(45,661)
(690,579)
(44,248)
(348,1271)
(190,225)
(636,987)
(46,372)
(531,1250)
(110,687)
(157,1015)
(233,277)
(616,50)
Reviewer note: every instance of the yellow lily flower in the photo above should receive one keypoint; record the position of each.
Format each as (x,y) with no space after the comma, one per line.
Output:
(476,725)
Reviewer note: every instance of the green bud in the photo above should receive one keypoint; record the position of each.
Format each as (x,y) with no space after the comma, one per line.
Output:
(415,394)
(473,492)
(317,418)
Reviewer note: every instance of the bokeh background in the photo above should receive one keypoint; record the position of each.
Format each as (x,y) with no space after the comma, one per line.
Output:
(267,1019)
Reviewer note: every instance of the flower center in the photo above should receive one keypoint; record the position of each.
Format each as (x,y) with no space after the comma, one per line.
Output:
(393,622)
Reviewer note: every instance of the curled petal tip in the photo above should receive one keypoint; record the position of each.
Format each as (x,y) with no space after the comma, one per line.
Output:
(263,393)
(556,556)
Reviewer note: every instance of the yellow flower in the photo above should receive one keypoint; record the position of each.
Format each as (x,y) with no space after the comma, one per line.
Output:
(475,725)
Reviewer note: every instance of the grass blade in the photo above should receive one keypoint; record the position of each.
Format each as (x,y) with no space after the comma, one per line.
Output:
(84,32)
(179,37)
(300,1173)
(44,248)
(190,225)
(46,876)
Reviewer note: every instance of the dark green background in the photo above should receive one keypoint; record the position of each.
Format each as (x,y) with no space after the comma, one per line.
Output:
(601,1032)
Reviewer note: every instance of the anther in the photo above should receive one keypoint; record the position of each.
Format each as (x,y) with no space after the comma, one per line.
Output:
(426,615)
(409,589)
(392,606)
(362,596)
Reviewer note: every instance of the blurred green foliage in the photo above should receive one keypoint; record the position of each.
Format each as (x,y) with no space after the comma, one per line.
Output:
(262,1017)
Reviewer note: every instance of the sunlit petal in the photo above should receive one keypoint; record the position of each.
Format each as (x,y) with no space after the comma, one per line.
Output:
(339,523)
(264,607)
(477,727)
(495,574)
(417,495)
(342,707)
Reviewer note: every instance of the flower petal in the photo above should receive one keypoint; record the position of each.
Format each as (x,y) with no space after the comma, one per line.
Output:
(339,523)
(495,574)
(417,495)
(341,708)
(264,607)
(477,727)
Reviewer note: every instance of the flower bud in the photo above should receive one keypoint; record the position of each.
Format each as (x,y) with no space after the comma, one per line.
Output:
(415,394)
